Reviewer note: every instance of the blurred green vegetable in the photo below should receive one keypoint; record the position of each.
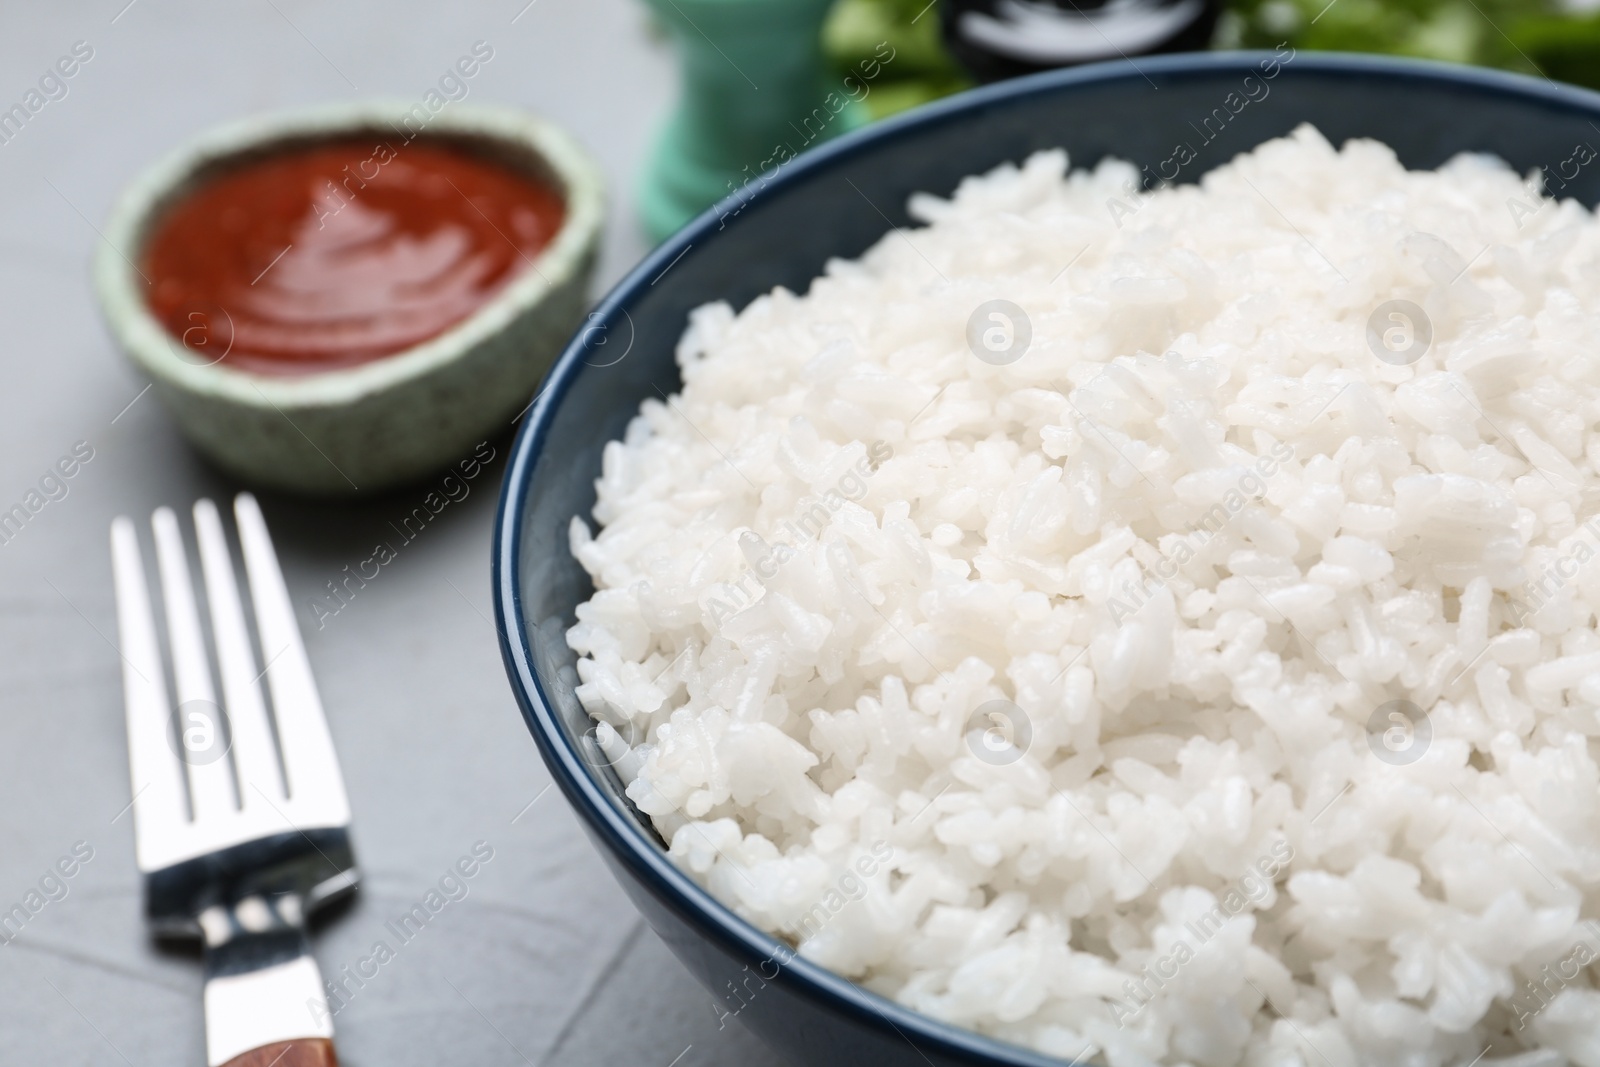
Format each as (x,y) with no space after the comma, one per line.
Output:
(1564,48)
(1528,36)
(921,69)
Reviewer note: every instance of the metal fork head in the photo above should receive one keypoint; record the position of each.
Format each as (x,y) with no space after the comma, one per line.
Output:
(230,800)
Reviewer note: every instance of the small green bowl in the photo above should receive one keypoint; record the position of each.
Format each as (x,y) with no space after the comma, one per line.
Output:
(380,424)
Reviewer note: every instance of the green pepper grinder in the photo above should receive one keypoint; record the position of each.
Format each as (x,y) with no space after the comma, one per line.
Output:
(755,92)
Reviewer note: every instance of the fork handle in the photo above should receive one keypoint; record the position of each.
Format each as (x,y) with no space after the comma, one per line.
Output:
(309,1052)
(264,997)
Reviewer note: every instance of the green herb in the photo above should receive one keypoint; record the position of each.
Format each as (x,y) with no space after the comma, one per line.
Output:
(1529,36)
(922,70)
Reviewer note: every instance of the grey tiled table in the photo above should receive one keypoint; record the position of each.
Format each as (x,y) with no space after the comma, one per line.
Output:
(545,961)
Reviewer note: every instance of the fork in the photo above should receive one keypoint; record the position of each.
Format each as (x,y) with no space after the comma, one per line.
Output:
(241,824)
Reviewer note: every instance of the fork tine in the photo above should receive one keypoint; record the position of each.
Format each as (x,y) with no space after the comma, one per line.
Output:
(310,767)
(253,750)
(200,720)
(157,781)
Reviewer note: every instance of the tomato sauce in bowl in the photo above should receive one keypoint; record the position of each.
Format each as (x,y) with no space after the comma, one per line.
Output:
(340,252)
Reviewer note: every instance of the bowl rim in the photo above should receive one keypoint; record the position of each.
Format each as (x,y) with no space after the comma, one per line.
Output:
(119,283)
(627,843)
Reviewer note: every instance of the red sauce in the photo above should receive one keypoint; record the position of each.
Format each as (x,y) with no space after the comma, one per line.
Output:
(341,253)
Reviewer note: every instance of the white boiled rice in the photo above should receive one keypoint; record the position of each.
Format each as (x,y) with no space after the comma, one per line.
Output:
(1056,698)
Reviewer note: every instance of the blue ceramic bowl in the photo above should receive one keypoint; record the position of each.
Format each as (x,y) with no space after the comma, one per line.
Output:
(1177,115)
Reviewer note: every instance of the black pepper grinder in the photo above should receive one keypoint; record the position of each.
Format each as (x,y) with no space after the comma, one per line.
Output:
(997,39)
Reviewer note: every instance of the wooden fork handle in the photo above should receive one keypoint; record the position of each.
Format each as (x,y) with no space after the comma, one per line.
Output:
(307,1052)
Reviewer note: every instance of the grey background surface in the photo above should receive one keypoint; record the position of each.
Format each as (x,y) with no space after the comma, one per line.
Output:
(545,961)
